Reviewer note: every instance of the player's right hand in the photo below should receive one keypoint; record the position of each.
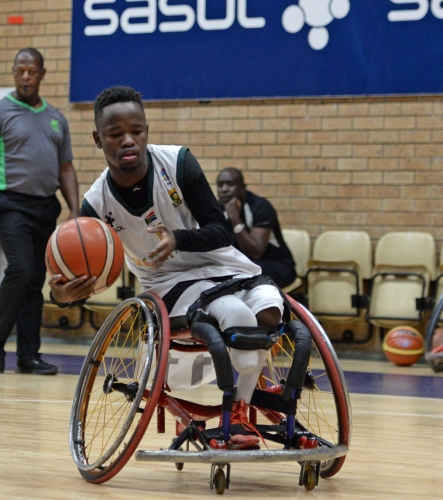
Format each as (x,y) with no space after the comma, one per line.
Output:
(77,289)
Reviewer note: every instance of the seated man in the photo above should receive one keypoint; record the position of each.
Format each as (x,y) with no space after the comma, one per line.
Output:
(256,227)
(176,238)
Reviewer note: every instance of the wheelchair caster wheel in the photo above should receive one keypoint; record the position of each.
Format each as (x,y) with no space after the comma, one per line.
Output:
(219,481)
(179,465)
(309,477)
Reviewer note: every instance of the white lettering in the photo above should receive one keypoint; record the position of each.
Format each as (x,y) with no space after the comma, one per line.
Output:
(149,13)
(409,14)
(176,10)
(102,15)
(244,20)
(437,8)
(215,24)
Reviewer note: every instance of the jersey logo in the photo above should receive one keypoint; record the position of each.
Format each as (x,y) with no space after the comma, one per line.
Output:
(110,221)
(150,218)
(165,177)
(176,200)
(55,124)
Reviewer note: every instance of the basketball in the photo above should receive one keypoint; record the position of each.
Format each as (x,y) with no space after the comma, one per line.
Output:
(85,246)
(403,345)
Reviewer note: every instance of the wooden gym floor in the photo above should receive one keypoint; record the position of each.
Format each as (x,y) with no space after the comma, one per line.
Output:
(396,450)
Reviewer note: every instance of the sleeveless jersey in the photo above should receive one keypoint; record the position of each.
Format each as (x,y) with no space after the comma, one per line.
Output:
(169,208)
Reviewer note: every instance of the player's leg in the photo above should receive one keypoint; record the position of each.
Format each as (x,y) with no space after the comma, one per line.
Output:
(262,305)
(230,311)
(266,304)
(30,314)
(16,239)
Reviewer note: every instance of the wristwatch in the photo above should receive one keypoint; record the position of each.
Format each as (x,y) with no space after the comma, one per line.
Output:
(238,228)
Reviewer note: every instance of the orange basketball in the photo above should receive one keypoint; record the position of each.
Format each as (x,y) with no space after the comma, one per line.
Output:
(85,246)
(403,345)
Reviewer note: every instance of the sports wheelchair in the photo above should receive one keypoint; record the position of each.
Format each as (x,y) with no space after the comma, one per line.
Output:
(122,385)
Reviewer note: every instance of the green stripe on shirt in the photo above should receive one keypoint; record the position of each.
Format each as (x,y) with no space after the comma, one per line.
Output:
(31,108)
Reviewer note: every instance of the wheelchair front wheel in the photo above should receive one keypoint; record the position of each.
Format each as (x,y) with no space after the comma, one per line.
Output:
(112,408)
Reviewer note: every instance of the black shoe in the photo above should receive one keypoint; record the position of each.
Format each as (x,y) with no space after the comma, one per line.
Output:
(2,363)
(34,364)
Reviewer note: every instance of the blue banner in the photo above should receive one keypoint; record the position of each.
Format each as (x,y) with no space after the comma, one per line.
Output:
(234,49)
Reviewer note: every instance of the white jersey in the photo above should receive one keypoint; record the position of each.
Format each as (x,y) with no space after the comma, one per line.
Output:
(168,208)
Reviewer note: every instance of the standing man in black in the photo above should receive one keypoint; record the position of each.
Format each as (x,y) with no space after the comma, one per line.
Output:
(35,161)
(256,227)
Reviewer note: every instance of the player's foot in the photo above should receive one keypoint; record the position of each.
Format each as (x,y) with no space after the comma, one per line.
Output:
(239,415)
(218,445)
(241,442)
(35,365)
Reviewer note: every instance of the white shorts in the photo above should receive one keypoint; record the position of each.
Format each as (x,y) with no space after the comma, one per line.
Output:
(190,370)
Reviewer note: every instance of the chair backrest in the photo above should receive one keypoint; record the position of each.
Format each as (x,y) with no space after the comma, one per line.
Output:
(407,248)
(342,245)
(404,265)
(341,260)
(299,244)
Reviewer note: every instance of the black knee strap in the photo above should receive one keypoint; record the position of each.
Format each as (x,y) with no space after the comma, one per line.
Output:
(210,335)
(302,353)
(249,338)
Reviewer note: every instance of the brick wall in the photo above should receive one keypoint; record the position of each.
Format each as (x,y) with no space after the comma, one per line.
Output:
(372,164)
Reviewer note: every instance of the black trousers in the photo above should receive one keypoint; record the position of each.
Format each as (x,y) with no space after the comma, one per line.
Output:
(281,272)
(26,223)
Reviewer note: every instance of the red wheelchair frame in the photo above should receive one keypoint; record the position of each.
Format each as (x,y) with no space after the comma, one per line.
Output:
(123,382)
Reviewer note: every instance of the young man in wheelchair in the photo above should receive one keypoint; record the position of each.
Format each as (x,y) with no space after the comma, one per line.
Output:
(178,244)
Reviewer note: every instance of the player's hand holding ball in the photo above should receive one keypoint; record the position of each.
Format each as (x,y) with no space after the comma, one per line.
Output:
(84,256)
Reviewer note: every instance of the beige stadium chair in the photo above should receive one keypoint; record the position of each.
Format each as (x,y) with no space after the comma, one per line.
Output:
(299,244)
(404,266)
(54,317)
(341,260)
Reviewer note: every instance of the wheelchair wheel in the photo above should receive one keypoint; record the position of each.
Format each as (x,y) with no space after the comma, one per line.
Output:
(324,407)
(112,407)
(435,361)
